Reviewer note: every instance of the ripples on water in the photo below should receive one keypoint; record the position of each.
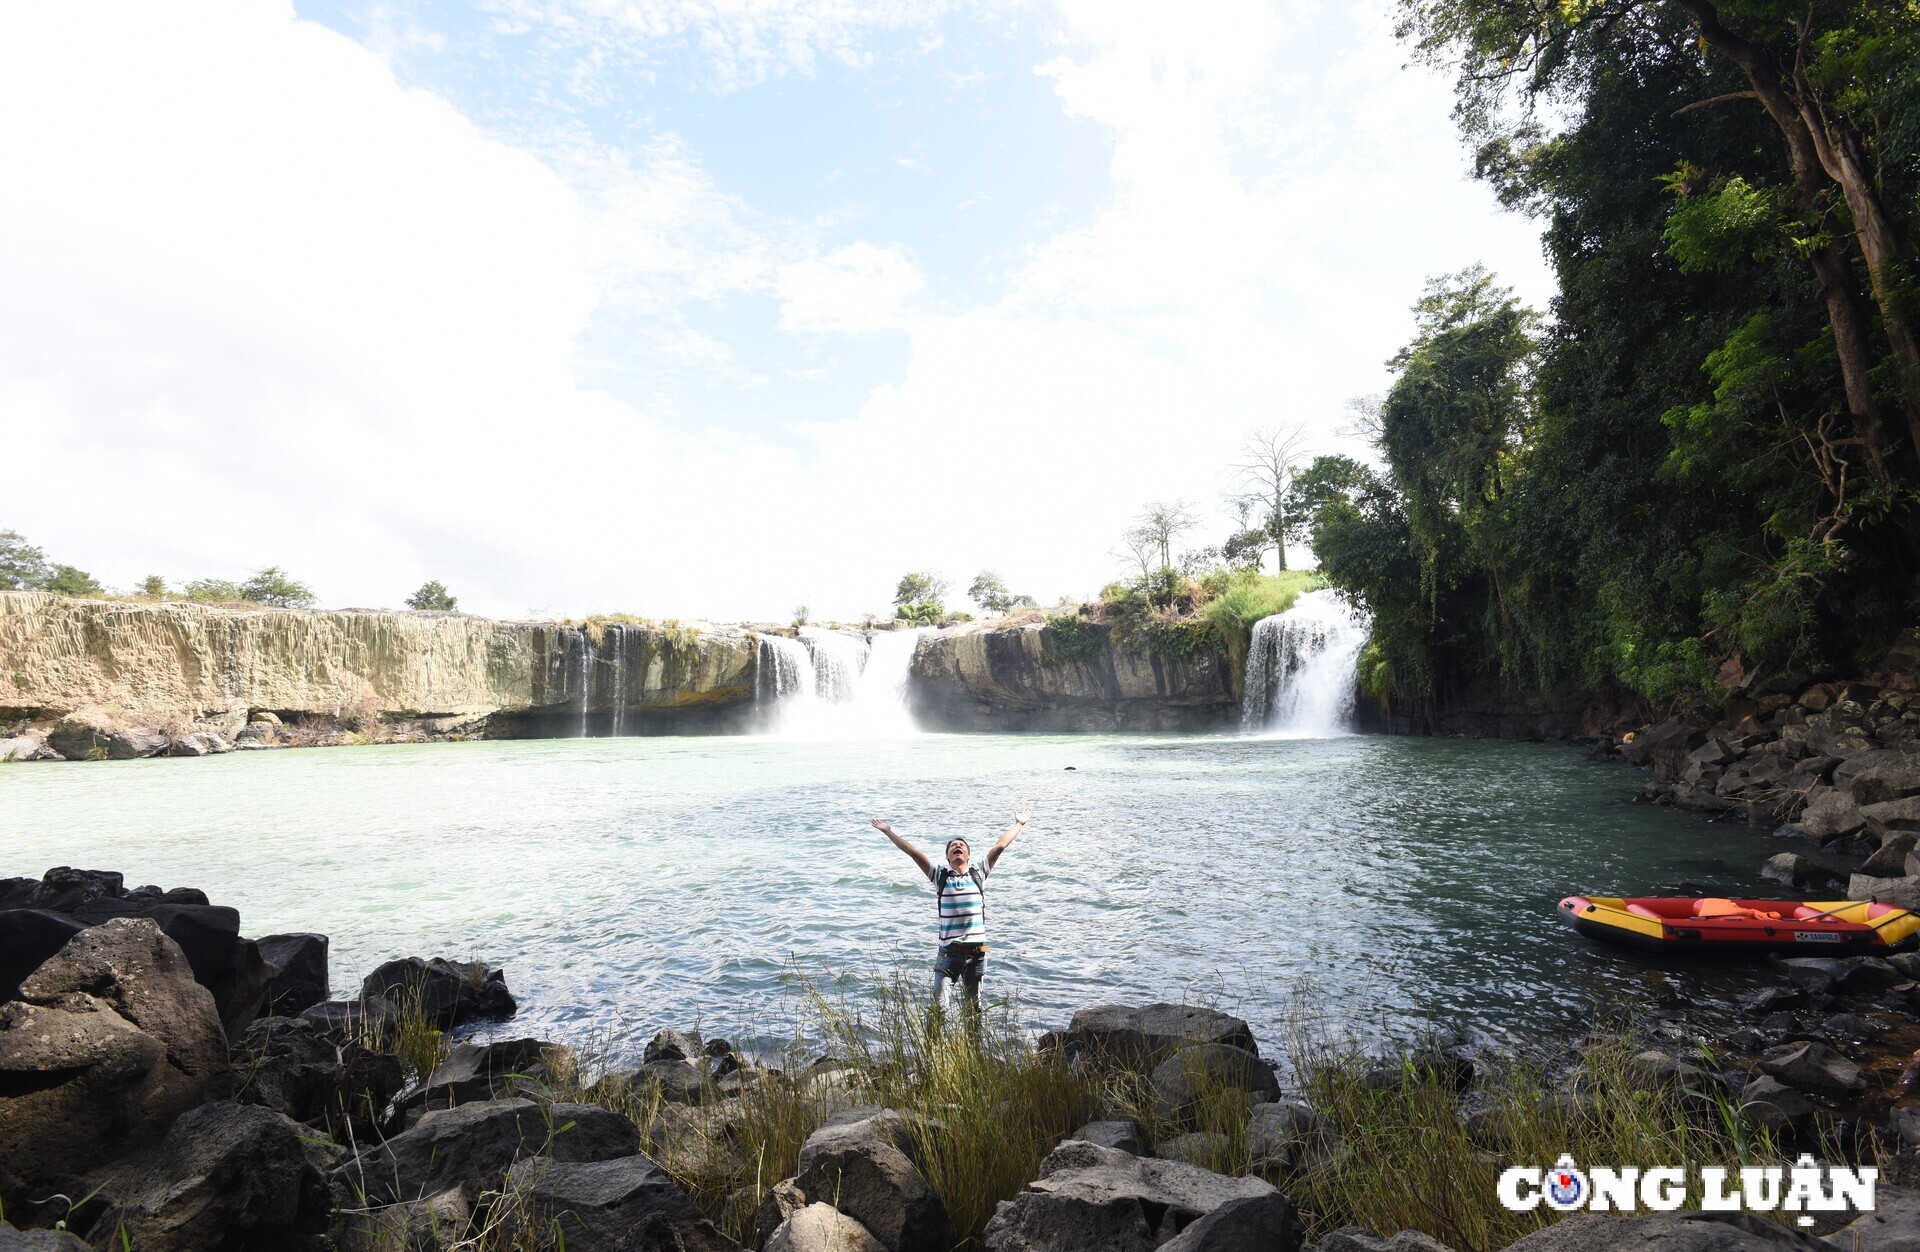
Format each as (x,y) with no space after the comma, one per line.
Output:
(628,884)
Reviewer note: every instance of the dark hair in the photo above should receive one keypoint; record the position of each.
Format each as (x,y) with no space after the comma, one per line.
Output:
(961,840)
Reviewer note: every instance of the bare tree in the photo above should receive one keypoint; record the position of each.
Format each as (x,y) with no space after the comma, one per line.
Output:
(1163,522)
(1138,545)
(1265,466)
(1365,424)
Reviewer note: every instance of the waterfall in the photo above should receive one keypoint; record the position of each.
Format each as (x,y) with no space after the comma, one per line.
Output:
(837,662)
(833,685)
(586,678)
(783,680)
(619,673)
(1300,681)
(882,694)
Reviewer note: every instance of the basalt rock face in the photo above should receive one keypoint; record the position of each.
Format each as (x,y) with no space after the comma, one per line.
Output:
(113,674)
(1014,677)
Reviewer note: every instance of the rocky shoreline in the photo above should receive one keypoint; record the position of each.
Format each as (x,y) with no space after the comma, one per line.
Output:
(166,1083)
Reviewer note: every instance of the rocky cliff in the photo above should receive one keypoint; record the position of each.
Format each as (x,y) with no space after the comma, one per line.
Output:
(168,661)
(1020,677)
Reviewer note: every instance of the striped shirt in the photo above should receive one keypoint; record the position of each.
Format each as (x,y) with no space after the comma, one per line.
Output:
(963,909)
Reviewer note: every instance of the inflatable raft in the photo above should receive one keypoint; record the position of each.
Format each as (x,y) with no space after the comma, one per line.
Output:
(1711,924)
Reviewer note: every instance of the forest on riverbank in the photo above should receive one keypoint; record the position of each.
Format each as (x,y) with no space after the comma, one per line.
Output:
(1697,471)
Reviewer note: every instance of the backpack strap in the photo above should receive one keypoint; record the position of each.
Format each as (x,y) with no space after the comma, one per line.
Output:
(979,877)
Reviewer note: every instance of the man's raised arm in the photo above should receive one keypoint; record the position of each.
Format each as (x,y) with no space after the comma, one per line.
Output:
(919,857)
(1020,821)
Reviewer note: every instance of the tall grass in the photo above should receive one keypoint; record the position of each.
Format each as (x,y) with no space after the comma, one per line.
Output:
(985,1107)
(1391,1144)
(1407,1127)
(1251,597)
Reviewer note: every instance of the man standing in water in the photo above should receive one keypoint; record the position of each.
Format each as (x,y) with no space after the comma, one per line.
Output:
(960,888)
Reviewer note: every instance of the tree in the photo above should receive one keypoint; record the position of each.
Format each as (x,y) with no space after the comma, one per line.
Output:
(1162,523)
(154,587)
(1833,81)
(432,595)
(66,580)
(1138,546)
(23,567)
(1266,463)
(275,586)
(920,589)
(214,591)
(989,591)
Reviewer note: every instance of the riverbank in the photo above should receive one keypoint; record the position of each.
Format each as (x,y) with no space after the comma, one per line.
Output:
(191,1106)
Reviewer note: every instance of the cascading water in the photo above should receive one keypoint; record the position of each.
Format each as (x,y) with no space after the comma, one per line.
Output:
(837,662)
(881,697)
(619,675)
(586,678)
(1301,665)
(833,685)
(783,680)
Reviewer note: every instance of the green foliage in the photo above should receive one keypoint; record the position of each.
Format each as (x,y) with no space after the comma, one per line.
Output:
(919,588)
(920,614)
(989,591)
(23,567)
(1735,224)
(214,591)
(1249,597)
(1180,640)
(432,595)
(1070,637)
(66,580)
(153,587)
(1671,475)
(276,587)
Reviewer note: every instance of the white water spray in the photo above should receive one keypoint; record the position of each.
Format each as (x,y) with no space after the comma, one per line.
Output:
(837,662)
(833,685)
(1301,667)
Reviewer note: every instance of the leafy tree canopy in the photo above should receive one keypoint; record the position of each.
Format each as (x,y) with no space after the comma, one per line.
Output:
(432,595)
(919,588)
(276,587)
(23,567)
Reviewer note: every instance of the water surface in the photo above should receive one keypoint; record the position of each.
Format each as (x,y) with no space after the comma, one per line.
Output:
(637,883)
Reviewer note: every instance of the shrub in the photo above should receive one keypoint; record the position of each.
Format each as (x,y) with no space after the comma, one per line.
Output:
(214,591)
(68,580)
(1070,637)
(276,587)
(432,595)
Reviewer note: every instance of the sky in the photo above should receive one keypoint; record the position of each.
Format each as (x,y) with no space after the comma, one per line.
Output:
(695,308)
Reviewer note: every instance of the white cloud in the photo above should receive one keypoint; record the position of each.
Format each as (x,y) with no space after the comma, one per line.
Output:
(259,303)
(742,42)
(1277,204)
(856,290)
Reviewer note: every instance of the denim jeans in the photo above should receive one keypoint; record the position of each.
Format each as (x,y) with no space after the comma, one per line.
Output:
(964,968)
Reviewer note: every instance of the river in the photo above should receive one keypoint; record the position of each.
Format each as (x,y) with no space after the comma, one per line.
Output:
(628,884)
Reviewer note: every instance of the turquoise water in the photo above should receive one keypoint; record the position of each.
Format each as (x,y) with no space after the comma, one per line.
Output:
(628,884)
